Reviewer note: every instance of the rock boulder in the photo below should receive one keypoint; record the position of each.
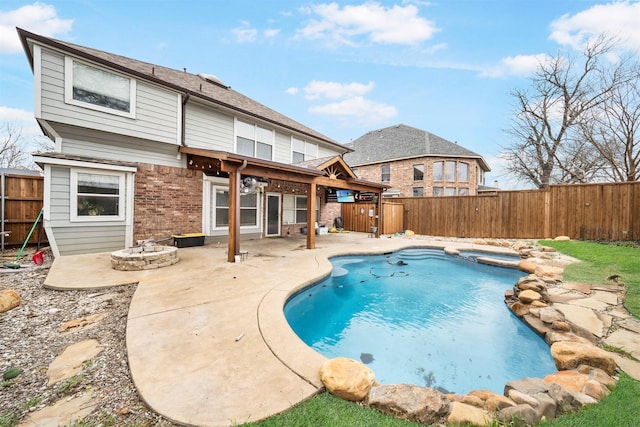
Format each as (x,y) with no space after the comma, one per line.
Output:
(9,299)
(346,378)
(571,354)
(420,404)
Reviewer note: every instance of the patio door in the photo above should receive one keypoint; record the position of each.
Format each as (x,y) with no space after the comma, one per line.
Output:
(273,214)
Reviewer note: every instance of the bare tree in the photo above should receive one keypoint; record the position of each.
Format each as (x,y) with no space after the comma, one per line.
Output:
(613,127)
(11,153)
(13,147)
(547,116)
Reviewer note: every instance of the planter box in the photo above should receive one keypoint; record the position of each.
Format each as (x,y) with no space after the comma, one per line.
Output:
(188,240)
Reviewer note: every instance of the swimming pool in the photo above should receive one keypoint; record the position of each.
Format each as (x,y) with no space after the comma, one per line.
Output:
(419,316)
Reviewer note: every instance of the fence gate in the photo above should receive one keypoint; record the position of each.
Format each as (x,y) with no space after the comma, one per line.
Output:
(360,217)
(21,200)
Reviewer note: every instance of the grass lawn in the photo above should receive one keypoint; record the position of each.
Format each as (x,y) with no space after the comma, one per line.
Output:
(620,409)
(600,261)
(325,410)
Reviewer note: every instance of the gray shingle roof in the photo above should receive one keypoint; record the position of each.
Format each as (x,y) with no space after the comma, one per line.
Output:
(183,81)
(403,142)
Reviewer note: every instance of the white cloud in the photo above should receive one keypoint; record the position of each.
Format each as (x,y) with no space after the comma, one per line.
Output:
(245,33)
(22,123)
(13,115)
(346,102)
(292,90)
(618,19)
(519,65)
(365,110)
(370,20)
(38,17)
(333,90)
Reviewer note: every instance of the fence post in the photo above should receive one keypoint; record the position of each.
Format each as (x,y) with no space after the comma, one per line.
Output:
(547,213)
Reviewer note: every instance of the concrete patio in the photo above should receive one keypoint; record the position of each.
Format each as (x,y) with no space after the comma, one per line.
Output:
(207,340)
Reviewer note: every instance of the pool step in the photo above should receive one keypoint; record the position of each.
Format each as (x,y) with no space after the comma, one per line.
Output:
(415,254)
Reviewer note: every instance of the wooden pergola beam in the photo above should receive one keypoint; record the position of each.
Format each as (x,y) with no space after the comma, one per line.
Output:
(236,165)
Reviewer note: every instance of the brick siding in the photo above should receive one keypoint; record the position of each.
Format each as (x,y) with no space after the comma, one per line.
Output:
(402,175)
(167,201)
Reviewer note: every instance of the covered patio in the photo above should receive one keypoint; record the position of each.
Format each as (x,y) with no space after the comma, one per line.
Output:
(325,173)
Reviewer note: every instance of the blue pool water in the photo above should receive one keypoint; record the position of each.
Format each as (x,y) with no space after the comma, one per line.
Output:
(419,316)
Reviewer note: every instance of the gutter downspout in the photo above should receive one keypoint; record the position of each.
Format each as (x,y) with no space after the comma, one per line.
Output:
(183,119)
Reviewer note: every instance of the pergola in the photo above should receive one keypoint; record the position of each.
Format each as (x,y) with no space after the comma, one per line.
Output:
(331,173)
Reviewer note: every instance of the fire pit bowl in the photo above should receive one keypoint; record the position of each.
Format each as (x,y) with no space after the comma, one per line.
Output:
(144,258)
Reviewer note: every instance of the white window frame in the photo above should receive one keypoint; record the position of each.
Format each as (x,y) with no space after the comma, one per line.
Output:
(257,130)
(73,195)
(308,150)
(437,174)
(68,90)
(463,177)
(385,176)
(214,187)
(290,211)
(420,169)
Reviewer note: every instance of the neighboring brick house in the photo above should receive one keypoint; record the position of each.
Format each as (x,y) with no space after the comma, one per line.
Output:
(416,163)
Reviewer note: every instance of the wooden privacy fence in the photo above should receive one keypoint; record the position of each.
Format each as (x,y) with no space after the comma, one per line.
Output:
(356,217)
(21,202)
(586,211)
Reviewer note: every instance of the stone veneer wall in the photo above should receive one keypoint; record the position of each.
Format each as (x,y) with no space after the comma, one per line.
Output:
(402,175)
(167,200)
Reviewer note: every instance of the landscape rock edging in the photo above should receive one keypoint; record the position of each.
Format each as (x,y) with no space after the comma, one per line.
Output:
(585,371)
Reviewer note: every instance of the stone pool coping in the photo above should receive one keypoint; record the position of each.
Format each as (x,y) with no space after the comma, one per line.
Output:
(574,308)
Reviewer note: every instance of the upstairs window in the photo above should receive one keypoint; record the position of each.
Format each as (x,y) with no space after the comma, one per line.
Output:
(438,171)
(98,89)
(385,171)
(97,196)
(254,141)
(302,151)
(418,172)
(463,172)
(450,171)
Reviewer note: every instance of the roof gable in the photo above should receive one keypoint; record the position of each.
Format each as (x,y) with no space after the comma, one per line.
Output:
(403,142)
(333,167)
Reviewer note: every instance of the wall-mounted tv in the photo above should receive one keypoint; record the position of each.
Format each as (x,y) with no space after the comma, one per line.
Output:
(345,196)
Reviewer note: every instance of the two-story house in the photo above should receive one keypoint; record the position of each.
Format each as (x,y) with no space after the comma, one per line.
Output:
(414,163)
(146,152)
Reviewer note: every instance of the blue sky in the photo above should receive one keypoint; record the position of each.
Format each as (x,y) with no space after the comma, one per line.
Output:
(343,68)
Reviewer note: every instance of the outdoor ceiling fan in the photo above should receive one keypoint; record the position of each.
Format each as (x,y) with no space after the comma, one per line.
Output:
(249,185)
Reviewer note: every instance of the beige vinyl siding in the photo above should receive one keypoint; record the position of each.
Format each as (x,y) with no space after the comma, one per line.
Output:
(282,149)
(327,152)
(89,239)
(157,110)
(91,143)
(208,129)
